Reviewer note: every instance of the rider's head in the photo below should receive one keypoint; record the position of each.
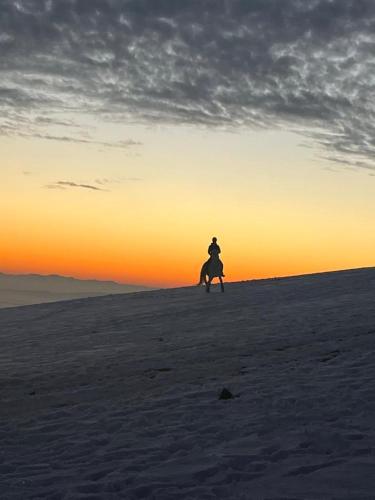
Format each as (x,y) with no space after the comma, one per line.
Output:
(214,240)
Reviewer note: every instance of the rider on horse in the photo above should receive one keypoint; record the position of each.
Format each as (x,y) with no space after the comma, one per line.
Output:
(213,267)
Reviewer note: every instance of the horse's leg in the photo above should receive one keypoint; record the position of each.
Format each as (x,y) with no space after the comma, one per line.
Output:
(208,284)
(221,283)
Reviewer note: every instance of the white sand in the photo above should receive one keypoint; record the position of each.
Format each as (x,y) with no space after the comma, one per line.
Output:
(117,397)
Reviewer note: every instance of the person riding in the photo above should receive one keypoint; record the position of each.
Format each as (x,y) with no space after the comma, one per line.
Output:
(214,251)
(214,248)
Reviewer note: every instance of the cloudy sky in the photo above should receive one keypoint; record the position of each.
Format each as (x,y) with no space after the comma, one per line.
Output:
(132,131)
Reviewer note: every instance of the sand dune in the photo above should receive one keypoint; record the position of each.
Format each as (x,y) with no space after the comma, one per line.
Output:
(117,397)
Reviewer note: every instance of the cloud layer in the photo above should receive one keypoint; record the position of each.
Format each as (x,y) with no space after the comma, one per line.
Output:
(97,185)
(305,65)
(69,184)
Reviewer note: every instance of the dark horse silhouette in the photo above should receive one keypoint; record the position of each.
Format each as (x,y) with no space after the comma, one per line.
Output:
(212,268)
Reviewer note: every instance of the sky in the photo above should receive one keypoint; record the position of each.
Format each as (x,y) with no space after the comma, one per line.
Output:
(133,131)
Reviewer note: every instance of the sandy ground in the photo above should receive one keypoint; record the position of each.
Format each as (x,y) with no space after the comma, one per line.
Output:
(117,397)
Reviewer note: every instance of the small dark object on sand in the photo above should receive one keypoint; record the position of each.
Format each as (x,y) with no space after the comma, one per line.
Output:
(226,394)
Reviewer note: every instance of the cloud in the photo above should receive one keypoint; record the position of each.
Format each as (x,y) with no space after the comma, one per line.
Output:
(115,144)
(304,65)
(69,184)
(54,186)
(119,180)
(97,185)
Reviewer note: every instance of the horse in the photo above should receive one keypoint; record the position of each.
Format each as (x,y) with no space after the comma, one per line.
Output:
(212,268)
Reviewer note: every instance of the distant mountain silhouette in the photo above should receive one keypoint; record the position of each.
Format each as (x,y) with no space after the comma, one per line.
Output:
(18,290)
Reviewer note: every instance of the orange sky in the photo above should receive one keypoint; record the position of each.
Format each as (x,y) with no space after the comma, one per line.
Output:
(273,214)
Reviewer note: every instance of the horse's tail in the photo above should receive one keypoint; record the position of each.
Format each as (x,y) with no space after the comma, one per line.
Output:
(202,274)
(201,279)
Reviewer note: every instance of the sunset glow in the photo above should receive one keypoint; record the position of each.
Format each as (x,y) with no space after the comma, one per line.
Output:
(270,221)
